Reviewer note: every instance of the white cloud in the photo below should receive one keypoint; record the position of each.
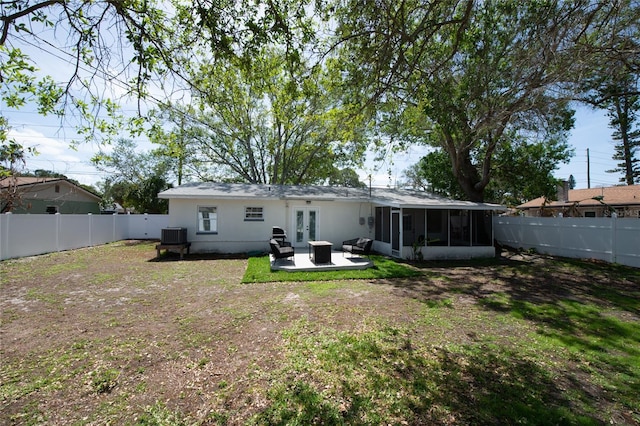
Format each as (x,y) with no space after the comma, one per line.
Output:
(56,155)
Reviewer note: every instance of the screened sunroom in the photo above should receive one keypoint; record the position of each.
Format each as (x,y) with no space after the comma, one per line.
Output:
(435,232)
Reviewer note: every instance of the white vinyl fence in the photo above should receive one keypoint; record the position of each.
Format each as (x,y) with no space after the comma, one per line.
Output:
(615,240)
(32,234)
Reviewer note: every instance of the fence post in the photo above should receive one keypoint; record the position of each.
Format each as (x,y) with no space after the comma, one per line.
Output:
(90,229)
(57,231)
(614,232)
(4,234)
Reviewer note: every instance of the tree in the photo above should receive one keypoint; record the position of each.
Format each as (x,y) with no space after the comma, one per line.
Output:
(346,177)
(12,161)
(621,99)
(98,37)
(135,41)
(141,49)
(266,120)
(623,114)
(467,76)
(433,174)
(523,171)
(143,195)
(136,178)
(11,155)
(614,88)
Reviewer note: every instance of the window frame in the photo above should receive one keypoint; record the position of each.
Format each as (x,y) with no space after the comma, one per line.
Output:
(258,218)
(200,220)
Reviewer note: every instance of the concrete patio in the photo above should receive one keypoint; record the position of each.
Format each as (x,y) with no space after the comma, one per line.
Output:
(302,262)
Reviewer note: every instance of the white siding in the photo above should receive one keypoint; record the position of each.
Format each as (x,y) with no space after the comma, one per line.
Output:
(337,221)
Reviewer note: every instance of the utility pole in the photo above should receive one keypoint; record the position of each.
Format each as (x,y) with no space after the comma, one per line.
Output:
(181,151)
(588,170)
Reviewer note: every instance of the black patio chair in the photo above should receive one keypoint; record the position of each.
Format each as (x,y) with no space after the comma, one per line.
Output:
(281,251)
(359,246)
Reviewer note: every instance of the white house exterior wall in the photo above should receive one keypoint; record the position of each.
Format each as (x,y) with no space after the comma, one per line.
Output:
(338,221)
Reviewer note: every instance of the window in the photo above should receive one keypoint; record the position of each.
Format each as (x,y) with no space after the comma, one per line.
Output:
(589,214)
(437,224)
(57,188)
(459,228)
(481,226)
(253,214)
(207,219)
(52,209)
(383,227)
(413,229)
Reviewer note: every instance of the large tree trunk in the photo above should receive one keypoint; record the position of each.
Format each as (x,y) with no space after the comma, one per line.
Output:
(470,184)
(465,171)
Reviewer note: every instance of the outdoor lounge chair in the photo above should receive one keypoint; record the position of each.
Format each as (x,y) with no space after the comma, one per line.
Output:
(281,251)
(361,246)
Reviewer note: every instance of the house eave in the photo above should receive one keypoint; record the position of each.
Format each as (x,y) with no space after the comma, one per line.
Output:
(377,196)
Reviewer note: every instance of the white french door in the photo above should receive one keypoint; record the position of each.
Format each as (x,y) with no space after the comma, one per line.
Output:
(305,220)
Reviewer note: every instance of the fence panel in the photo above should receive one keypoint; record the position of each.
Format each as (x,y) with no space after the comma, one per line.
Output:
(627,242)
(147,226)
(26,235)
(102,227)
(609,239)
(74,230)
(32,234)
(590,238)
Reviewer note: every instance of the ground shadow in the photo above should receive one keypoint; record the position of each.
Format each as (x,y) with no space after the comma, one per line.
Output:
(170,256)
(474,384)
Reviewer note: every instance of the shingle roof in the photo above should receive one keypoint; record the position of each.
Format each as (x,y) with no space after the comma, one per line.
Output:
(25,180)
(385,196)
(613,196)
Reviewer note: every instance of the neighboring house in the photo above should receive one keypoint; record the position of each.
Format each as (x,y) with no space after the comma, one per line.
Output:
(236,218)
(116,208)
(38,195)
(592,202)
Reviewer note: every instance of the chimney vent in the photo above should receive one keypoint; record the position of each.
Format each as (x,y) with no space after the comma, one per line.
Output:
(563,191)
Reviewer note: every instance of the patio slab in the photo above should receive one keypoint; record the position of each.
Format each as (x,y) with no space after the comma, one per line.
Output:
(339,261)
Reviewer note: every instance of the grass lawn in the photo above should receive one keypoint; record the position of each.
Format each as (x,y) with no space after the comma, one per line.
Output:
(259,271)
(109,335)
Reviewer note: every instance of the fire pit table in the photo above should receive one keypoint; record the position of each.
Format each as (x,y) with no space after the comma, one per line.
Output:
(320,251)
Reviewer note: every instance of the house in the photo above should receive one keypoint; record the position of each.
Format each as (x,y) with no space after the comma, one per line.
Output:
(592,202)
(236,218)
(41,195)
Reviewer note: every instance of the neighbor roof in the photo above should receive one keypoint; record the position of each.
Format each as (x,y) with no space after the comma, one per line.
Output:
(34,182)
(613,195)
(25,180)
(384,196)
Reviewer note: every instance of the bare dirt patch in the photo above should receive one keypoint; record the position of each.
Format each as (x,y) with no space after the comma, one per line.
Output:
(109,334)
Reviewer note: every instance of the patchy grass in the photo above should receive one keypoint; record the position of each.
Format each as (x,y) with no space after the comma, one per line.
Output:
(126,339)
(387,375)
(259,271)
